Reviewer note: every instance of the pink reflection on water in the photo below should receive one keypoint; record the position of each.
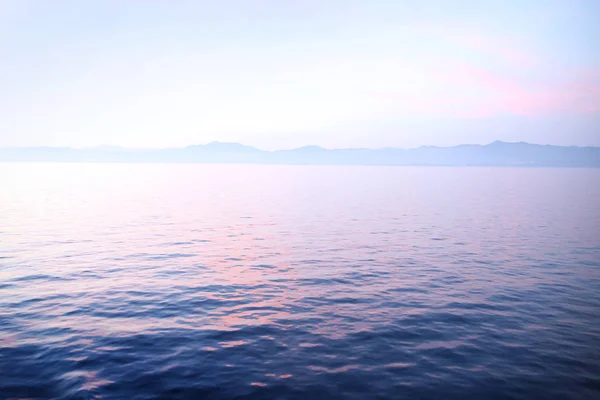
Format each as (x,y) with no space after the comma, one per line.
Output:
(90,379)
(292,248)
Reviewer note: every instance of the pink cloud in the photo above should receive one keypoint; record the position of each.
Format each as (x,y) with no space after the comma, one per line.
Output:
(578,94)
(512,77)
(465,91)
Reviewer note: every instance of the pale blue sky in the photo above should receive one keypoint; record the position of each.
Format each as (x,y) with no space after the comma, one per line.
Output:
(281,74)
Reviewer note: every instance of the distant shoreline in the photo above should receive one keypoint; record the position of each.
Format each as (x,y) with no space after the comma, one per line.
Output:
(496,154)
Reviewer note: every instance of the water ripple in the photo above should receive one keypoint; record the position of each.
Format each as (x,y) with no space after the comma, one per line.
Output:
(303,289)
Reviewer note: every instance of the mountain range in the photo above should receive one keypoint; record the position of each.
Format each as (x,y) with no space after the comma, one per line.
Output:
(497,153)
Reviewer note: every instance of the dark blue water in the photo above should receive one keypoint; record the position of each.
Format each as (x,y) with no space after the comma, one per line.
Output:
(283,282)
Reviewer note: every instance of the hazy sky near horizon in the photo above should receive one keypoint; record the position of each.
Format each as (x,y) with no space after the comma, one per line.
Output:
(281,74)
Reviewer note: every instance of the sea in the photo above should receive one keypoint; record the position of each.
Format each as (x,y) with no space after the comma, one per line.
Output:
(197,281)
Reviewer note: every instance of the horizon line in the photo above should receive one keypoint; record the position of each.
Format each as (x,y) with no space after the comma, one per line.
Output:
(216,142)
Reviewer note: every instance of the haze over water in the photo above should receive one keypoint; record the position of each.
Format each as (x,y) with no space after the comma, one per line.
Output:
(148,281)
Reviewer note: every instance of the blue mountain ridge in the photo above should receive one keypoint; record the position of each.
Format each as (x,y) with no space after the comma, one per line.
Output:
(497,153)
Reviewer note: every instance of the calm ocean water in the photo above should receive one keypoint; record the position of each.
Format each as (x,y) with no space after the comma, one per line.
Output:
(298,282)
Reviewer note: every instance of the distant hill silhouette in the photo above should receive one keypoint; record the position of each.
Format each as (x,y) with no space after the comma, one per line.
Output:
(494,154)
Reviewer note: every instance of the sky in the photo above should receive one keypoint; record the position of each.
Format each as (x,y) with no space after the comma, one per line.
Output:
(281,74)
